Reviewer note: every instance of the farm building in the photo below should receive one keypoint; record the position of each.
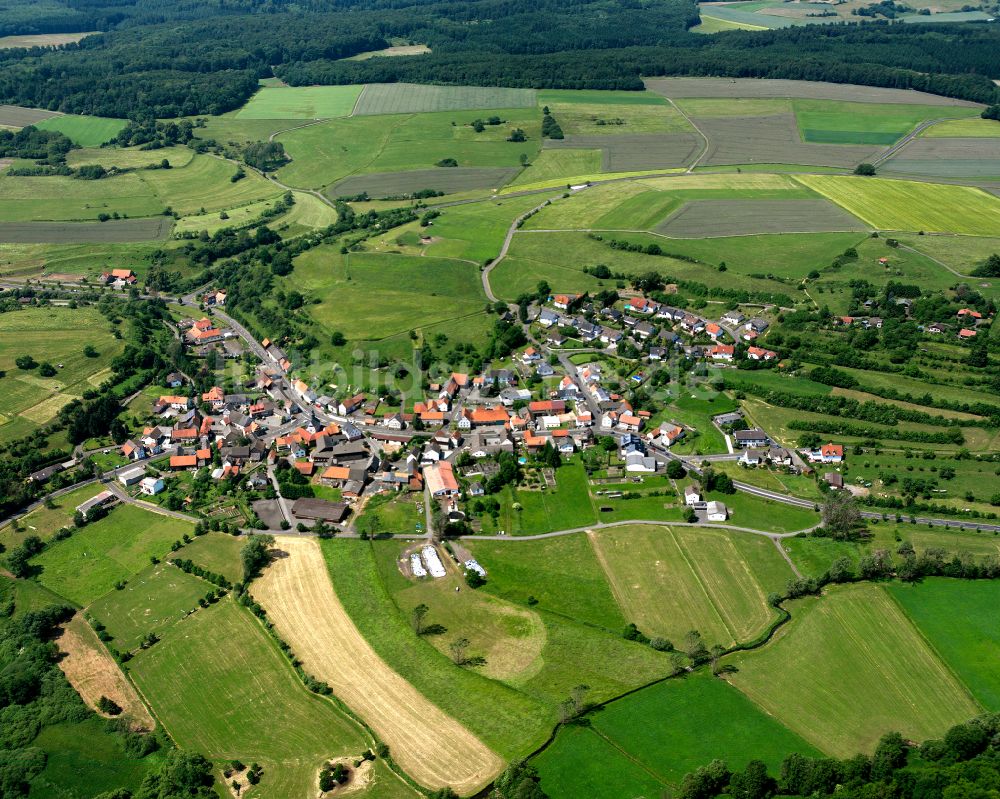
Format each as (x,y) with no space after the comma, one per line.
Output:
(131,476)
(319,510)
(101,500)
(716,511)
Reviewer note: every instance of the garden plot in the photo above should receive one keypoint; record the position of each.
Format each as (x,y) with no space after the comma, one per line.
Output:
(409,98)
(113,231)
(756,87)
(773,140)
(448,180)
(635,152)
(948,158)
(707,218)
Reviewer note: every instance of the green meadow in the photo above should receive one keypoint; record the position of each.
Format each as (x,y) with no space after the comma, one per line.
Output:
(84,131)
(300,102)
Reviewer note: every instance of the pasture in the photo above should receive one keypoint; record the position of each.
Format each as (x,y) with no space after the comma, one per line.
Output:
(669,581)
(83,130)
(216,552)
(89,563)
(300,102)
(251,705)
(153,601)
(906,205)
(957,619)
(848,668)
(16,116)
(710,218)
(552,163)
(475,230)
(409,98)
(129,157)
(58,198)
(204,185)
(113,231)
(57,335)
(45,522)
(435,749)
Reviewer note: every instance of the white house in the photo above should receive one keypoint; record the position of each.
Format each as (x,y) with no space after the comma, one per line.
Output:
(717,512)
(691,495)
(151,485)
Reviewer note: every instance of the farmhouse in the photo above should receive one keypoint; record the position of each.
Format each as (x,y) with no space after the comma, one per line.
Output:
(124,277)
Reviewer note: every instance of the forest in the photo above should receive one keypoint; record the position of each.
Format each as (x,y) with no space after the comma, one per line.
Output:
(183,59)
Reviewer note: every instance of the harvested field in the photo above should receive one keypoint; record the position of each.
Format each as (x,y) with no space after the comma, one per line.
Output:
(410,98)
(448,180)
(112,231)
(92,671)
(756,87)
(16,116)
(434,749)
(635,152)
(708,218)
(948,158)
(42,40)
(388,52)
(773,140)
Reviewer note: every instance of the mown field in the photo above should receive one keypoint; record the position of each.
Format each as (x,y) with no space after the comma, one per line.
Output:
(85,131)
(300,103)
(407,98)
(848,668)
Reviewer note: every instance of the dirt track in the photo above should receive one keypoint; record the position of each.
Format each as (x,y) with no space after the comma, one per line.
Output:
(433,748)
(92,672)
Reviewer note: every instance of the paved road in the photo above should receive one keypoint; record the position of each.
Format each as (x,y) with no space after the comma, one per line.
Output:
(506,246)
(649,522)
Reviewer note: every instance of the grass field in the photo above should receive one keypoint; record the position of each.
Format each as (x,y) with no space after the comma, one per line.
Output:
(408,98)
(204,184)
(58,198)
(434,749)
(476,231)
(115,231)
(905,205)
(864,123)
(45,522)
(57,335)
(963,128)
(850,667)
(89,563)
(42,39)
(301,102)
(251,705)
(216,552)
(632,152)
(716,25)
(956,618)
(129,157)
(85,131)
(390,52)
(961,253)
(550,164)
(672,580)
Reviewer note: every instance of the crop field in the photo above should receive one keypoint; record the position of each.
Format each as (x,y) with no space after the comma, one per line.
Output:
(204,184)
(750,14)
(849,667)
(431,746)
(675,88)
(773,140)
(153,601)
(906,205)
(41,40)
(977,159)
(717,25)
(963,128)
(129,157)
(58,335)
(634,152)
(709,218)
(94,673)
(956,618)
(251,705)
(301,102)
(85,131)
(448,180)
(864,123)
(116,231)
(408,98)
(669,729)
(601,113)
(89,563)
(390,52)
(735,106)
(671,580)
(411,291)
(15,116)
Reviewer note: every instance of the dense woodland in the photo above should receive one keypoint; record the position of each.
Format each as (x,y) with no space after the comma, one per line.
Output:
(186,58)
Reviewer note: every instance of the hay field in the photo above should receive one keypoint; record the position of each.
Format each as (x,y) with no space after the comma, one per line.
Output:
(16,116)
(766,87)
(300,102)
(963,128)
(634,152)
(58,198)
(433,748)
(410,98)
(552,163)
(850,667)
(973,158)
(669,581)
(864,123)
(92,671)
(449,180)
(115,231)
(906,205)
(204,183)
(606,118)
(716,25)
(220,686)
(129,157)
(42,39)
(709,218)
(83,130)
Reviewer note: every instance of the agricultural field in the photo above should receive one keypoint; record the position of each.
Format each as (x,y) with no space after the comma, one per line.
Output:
(129,157)
(406,98)
(46,522)
(87,565)
(55,335)
(301,102)
(58,198)
(42,40)
(217,552)
(711,25)
(849,667)
(449,181)
(271,718)
(85,131)
(633,152)
(963,128)
(709,218)
(973,159)
(15,116)
(865,123)
(389,52)
(113,231)
(204,185)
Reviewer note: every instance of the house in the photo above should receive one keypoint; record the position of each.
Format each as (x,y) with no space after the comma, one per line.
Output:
(547,318)
(832,453)
(754,437)
(101,500)
(46,474)
(132,476)
(733,317)
(183,462)
(175,380)
(530,355)
(151,486)
(966,333)
(691,495)
(215,396)
(636,461)
(488,416)
(935,327)
(760,354)
(669,434)
(779,456)
(757,325)
(174,402)
(725,419)
(544,369)
(716,512)
(476,490)
(834,479)
(119,276)
(644,329)
(968,312)
(713,330)
(752,457)
(350,404)
(629,422)
(319,510)
(641,305)
(722,352)
(546,407)
(440,479)
(562,301)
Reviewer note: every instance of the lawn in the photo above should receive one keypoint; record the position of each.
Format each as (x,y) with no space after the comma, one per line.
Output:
(906,205)
(669,581)
(850,667)
(408,98)
(396,514)
(85,131)
(958,618)
(57,335)
(301,102)
(89,563)
(249,703)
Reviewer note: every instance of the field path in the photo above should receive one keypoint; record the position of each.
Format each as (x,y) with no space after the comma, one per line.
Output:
(704,137)
(433,748)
